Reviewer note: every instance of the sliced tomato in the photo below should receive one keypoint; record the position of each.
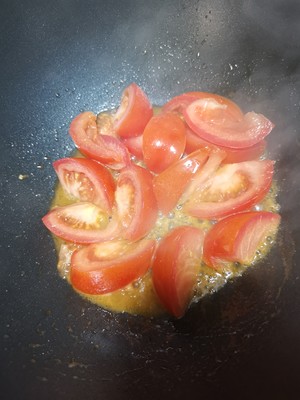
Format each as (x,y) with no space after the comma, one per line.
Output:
(233,188)
(135,146)
(237,238)
(86,180)
(105,124)
(107,149)
(217,122)
(245,154)
(203,174)
(136,203)
(180,103)
(170,184)
(105,267)
(82,223)
(163,141)
(232,108)
(175,266)
(134,112)
(194,142)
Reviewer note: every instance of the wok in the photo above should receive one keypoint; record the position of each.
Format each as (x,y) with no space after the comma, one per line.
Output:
(61,57)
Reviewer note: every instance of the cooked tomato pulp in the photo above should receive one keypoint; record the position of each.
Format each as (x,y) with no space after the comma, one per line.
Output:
(200,168)
(139,297)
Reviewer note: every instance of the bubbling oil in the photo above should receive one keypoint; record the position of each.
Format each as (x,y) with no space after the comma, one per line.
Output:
(139,297)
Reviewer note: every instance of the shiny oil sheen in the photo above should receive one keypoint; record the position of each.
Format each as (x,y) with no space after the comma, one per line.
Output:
(139,297)
(63,57)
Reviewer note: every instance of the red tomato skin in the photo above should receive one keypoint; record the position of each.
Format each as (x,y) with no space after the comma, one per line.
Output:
(163,141)
(56,221)
(135,146)
(174,268)
(258,175)
(236,238)
(215,122)
(102,191)
(245,154)
(233,109)
(181,102)
(137,214)
(107,149)
(170,184)
(134,112)
(194,142)
(94,274)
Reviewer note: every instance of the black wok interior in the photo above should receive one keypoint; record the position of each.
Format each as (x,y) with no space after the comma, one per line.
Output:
(59,58)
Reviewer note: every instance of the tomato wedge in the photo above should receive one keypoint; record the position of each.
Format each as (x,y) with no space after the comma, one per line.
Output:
(233,109)
(180,103)
(82,223)
(233,188)
(134,112)
(135,146)
(105,267)
(163,141)
(136,203)
(216,122)
(86,180)
(175,266)
(237,238)
(105,124)
(107,149)
(194,142)
(170,184)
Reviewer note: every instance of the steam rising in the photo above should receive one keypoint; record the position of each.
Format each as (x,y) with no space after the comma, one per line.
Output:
(248,51)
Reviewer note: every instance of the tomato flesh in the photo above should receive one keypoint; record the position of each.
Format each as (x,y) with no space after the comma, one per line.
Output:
(107,149)
(81,223)
(237,237)
(213,121)
(175,266)
(135,146)
(134,112)
(170,184)
(179,103)
(105,124)
(86,180)
(200,152)
(194,142)
(136,203)
(105,267)
(163,141)
(233,109)
(233,188)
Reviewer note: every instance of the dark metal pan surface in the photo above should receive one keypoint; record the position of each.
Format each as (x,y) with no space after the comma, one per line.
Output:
(61,57)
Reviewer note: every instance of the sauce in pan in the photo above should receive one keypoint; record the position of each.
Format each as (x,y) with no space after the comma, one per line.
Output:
(139,297)
(217,130)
